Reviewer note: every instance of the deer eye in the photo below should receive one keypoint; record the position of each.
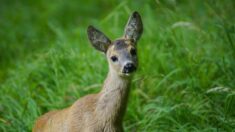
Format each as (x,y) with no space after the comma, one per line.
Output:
(114,58)
(133,51)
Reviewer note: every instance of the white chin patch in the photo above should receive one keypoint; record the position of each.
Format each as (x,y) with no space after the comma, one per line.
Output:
(127,74)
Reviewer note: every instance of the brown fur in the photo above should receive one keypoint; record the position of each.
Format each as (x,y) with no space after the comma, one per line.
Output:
(93,113)
(104,111)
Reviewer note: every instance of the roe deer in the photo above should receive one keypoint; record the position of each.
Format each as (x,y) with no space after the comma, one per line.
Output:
(104,111)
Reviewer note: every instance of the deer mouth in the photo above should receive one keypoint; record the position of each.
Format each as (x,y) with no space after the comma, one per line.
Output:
(128,72)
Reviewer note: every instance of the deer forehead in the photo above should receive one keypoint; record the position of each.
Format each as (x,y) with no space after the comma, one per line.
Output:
(120,45)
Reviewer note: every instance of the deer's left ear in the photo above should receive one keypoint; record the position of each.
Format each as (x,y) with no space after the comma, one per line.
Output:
(134,27)
(98,40)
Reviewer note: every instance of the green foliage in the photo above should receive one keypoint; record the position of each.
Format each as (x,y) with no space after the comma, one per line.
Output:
(185,80)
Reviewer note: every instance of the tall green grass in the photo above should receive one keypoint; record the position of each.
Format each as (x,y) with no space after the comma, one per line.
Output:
(185,80)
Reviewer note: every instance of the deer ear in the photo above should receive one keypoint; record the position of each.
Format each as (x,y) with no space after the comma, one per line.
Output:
(98,39)
(134,27)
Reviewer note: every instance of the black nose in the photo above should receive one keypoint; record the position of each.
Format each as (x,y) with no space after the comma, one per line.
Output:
(129,67)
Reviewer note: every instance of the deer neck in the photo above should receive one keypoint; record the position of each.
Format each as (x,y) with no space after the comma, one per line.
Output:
(113,98)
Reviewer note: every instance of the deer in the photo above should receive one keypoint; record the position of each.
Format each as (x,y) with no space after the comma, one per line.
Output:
(105,110)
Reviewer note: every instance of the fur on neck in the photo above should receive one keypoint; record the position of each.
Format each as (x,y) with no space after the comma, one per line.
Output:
(113,98)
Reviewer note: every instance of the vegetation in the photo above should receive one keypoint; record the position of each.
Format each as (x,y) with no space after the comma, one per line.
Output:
(185,80)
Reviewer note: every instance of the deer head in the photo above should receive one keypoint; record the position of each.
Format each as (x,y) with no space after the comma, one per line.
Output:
(121,53)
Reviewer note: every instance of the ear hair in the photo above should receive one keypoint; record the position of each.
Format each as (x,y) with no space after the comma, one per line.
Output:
(98,40)
(134,27)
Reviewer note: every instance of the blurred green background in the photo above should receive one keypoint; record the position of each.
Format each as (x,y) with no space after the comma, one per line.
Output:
(185,81)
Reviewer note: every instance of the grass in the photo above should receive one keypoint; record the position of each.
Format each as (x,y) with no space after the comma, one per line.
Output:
(185,81)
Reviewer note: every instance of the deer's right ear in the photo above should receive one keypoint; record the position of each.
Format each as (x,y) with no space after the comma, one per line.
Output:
(134,27)
(98,40)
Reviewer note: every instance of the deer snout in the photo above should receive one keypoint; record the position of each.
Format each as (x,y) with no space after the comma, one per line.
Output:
(129,68)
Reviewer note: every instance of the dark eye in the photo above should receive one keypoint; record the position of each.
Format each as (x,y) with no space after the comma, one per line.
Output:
(133,51)
(114,58)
